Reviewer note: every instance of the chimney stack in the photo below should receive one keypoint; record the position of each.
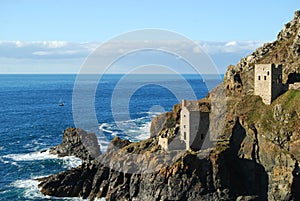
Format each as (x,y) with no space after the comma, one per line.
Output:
(183,103)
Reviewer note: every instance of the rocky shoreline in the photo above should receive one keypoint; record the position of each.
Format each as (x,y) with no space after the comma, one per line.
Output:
(255,158)
(217,176)
(77,142)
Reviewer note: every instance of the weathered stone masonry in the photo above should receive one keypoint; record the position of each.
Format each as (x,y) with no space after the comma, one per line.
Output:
(268,82)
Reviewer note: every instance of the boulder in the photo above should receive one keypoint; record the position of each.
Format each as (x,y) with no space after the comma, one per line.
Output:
(76,142)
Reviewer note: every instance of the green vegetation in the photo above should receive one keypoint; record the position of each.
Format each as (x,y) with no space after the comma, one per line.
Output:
(289,100)
(277,126)
(255,112)
(277,120)
(251,106)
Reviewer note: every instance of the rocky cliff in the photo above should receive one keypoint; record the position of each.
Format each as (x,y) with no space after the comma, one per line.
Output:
(256,156)
(77,142)
(271,132)
(285,50)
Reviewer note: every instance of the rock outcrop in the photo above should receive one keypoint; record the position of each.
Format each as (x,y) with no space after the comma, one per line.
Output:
(256,156)
(76,142)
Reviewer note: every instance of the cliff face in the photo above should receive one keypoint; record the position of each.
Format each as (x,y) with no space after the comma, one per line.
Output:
(271,132)
(285,50)
(256,156)
(270,139)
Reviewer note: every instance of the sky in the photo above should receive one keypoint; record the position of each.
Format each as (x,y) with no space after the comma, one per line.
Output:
(51,36)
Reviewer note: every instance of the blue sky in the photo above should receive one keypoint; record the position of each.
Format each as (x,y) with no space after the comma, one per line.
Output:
(71,24)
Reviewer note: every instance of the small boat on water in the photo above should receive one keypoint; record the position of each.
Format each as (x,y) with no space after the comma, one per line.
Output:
(61,103)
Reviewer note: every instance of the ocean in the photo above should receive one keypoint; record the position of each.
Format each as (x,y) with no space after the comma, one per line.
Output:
(31,121)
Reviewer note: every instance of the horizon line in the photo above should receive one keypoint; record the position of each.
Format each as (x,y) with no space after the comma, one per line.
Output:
(110,74)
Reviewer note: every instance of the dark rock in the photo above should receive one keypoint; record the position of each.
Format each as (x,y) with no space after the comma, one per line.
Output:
(296,183)
(116,144)
(77,142)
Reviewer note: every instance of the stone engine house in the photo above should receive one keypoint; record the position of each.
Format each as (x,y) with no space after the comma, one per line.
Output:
(194,125)
(268,82)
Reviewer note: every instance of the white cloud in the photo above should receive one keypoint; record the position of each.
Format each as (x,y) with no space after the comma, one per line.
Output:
(54,44)
(231,43)
(223,53)
(41,53)
(53,49)
(40,44)
(230,47)
(61,52)
(44,49)
(19,44)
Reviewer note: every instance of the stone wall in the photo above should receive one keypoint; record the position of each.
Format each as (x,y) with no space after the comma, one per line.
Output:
(295,86)
(277,85)
(184,124)
(194,125)
(262,82)
(163,142)
(200,126)
(268,82)
(171,145)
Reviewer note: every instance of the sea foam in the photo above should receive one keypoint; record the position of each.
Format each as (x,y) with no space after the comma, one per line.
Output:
(31,190)
(68,161)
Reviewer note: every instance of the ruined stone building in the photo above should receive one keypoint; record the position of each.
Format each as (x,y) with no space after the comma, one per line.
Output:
(268,82)
(194,125)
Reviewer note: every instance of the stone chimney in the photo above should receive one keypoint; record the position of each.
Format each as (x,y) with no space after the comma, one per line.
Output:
(183,103)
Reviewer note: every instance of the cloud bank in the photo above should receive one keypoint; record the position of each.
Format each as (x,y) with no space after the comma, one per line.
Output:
(67,57)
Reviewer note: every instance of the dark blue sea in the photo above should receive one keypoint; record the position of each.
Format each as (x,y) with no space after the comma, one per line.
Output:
(32,121)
